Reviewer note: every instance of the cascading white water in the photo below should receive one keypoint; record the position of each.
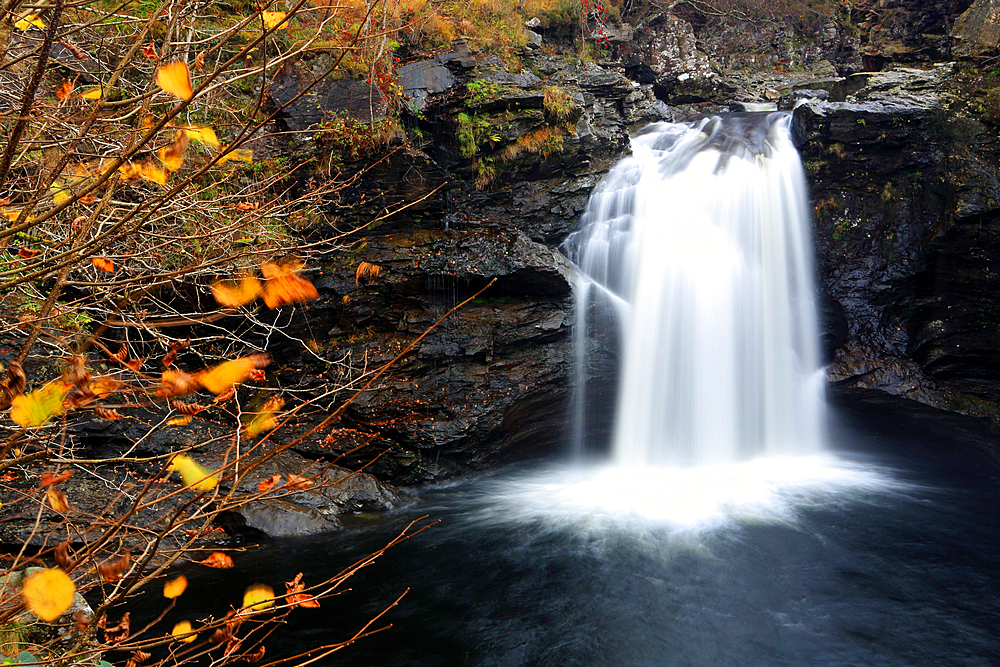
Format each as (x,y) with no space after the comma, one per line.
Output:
(699,244)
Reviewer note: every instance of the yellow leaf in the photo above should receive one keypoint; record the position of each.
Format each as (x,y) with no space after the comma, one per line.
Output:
(183,628)
(172,156)
(28,21)
(183,420)
(104,386)
(174,588)
(233,295)
(205,135)
(92,94)
(36,408)
(60,194)
(174,78)
(192,474)
(57,499)
(150,172)
(220,378)
(48,593)
(265,419)
(238,154)
(257,597)
(271,19)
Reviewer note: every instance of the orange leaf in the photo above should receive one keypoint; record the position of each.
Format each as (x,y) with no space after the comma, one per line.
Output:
(219,560)
(52,478)
(298,482)
(57,499)
(295,596)
(189,409)
(108,413)
(149,51)
(48,593)
(225,396)
(27,253)
(174,78)
(183,420)
(134,364)
(269,483)
(222,377)
(284,285)
(103,264)
(232,296)
(104,386)
(175,587)
(172,156)
(65,90)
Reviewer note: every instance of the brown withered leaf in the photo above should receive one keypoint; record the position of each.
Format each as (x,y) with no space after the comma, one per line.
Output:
(62,556)
(199,62)
(112,570)
(138,657)
(169,358)
(225,396)
(189,409)
(82,622)
(108,413)
(134,364)
(121,356)
(298,482)
(27,253)
(149,51)
(65,90)
(256,656)
(118,633)
(77,52)
(49,478)
(295,596)
(103,387)
(175,383)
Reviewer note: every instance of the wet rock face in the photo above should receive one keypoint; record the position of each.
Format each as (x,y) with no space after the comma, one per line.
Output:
(977,30)
(330,98)
(908,221)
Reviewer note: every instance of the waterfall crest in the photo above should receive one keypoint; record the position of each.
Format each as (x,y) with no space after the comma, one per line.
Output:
(697,249)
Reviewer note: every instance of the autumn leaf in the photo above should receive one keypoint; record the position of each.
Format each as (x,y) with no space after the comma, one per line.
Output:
(103,264)
(234,295)
(149,51)
(172,156)
(48,594)
(60,193)
(257,597)
(28,21)
(65,90)
(108,413)
(237,154)
(225,396)
(199,62)
(111,570)
(269,483)
(174,78)
(175,383)
(36,408)
(27,253)
(220,378)
(218,560)
(204,135)
(150,172)
(104,386)
(183,420)
(175,587)
(265,419)
(189,409)
(298,482)
(285,286)
(272,19)
(51,478)
(295,596)
(181,629)
(57,499)
(192,474)
(116,633)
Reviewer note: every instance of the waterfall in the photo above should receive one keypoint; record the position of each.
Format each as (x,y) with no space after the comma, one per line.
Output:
(697,251)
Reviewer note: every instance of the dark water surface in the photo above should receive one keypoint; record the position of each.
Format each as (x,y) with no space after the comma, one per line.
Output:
(894,562)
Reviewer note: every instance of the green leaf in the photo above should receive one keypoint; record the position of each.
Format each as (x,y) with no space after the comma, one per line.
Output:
(25,657)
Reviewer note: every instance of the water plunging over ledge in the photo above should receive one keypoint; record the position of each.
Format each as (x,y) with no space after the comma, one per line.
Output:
(699,247)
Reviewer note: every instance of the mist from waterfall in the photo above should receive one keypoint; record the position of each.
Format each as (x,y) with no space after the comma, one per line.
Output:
(696,251)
